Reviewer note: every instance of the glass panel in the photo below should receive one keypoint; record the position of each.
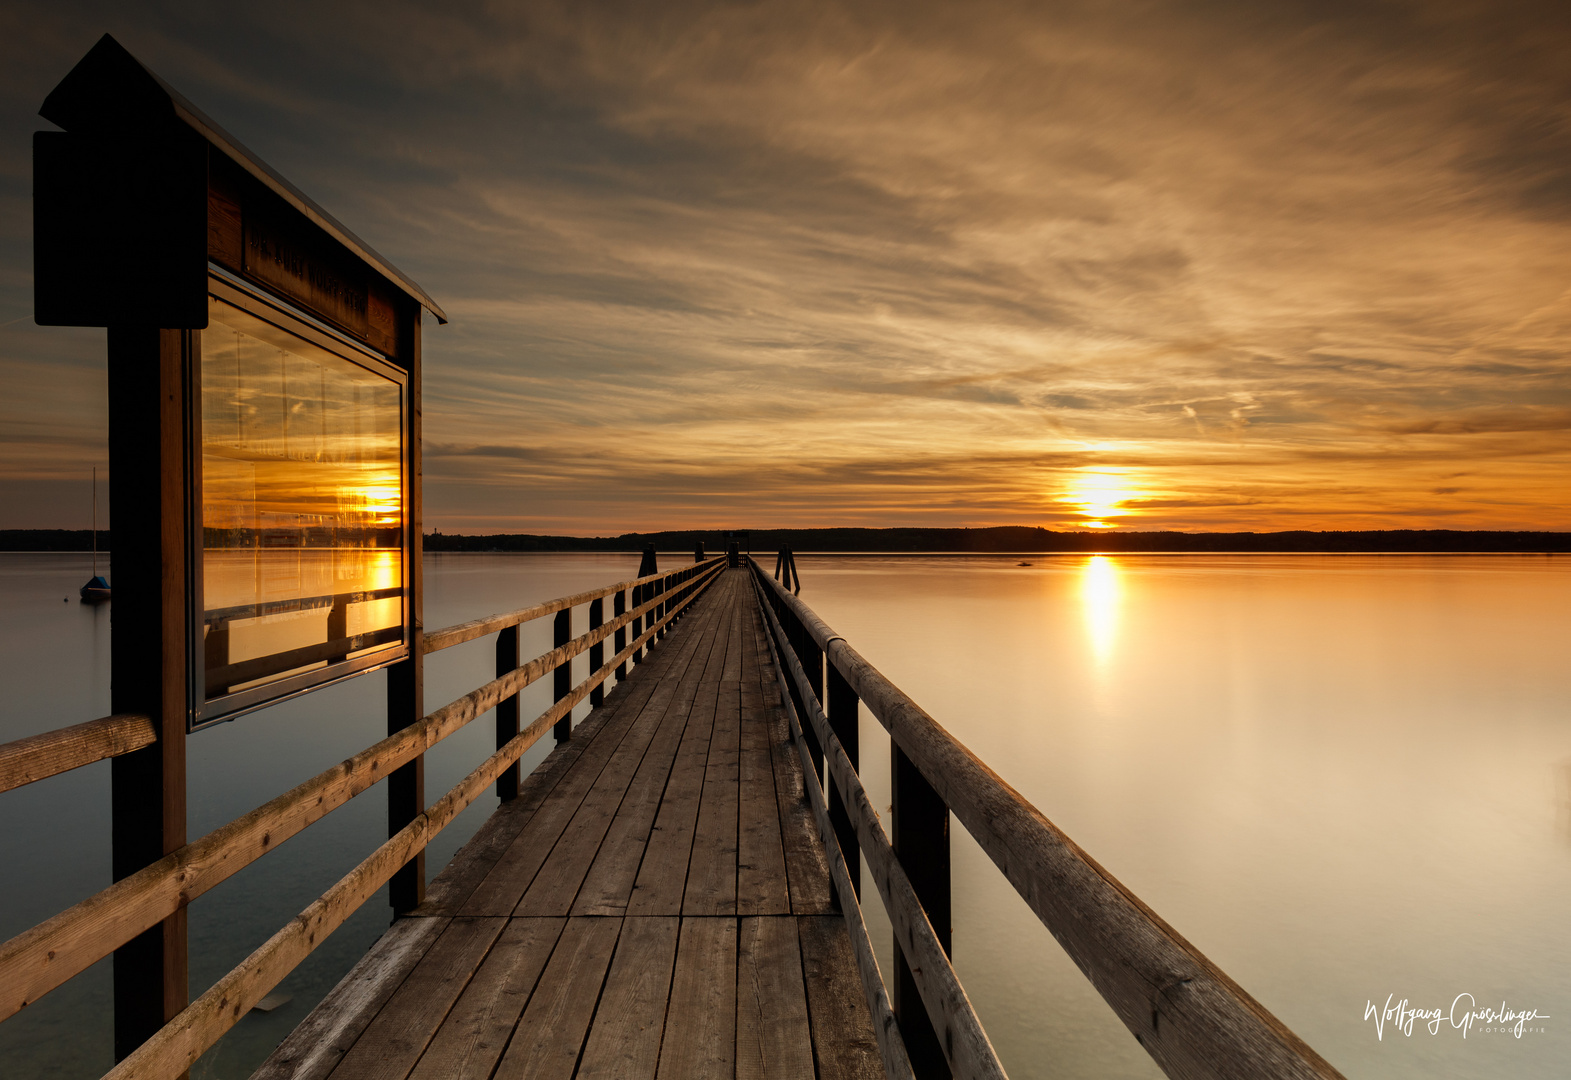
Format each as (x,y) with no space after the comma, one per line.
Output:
(302,504)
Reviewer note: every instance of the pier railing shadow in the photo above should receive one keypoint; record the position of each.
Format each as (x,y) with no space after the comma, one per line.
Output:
(40,959)
(1185,1011)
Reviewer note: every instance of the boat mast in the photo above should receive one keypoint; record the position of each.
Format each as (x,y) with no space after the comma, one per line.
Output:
(95,522)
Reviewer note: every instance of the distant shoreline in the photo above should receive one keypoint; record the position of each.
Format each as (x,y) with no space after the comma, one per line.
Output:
(1000,540)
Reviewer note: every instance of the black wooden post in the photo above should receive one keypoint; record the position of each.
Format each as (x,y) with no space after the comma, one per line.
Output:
(843,721)
(665,584)
(919,832)
(562,674)
(406,679)
(638,622)
(507,712)
(152,376)
(806,653)
(648,565)
(596,651)
(813,661)
(618,609)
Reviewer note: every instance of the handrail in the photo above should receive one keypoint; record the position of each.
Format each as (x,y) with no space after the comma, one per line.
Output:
(1185,1011)
(966,1046)
(41,958)
(38,757)
(459,633)
(177,1045)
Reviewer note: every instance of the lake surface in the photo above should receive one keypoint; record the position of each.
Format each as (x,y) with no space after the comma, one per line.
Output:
(1343,778)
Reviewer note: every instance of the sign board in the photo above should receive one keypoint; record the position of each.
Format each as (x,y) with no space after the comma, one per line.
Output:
(300,349)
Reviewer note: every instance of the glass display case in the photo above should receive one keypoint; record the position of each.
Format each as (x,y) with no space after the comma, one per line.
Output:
(301,573)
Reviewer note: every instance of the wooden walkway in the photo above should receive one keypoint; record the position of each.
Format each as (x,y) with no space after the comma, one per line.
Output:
(655,903)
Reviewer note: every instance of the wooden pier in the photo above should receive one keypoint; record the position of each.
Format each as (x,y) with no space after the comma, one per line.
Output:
(654,903)
(674,893)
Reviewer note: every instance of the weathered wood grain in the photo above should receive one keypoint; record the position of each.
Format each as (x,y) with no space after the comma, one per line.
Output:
(551,1031)
(504,884)
(624,1043)
(762,887)
(662,875)
(478,1027)
(321,1040)
(773,1041)
(38,757)
(700,1037)
(711,870)
(451,888)
(394,1041)
(843,1042)
(556,885)
(609,882)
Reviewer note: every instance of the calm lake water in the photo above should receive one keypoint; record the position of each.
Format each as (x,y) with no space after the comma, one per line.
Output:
(1343,778)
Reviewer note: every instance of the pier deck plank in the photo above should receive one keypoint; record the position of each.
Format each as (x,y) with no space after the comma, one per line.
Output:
(653,904)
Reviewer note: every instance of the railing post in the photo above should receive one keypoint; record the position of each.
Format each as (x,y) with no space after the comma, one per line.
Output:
(507,711)
(406,679)
(648,565)
(919,833)
(660,589)
(638,622)
(618,609)
(843,721)
(596,651)
(151,377)
(811,659)
(562,674)
(406,784)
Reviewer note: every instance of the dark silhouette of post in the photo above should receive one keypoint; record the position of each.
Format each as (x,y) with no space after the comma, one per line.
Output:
(507,726)
(406,679)
(618,609)
(151,372)
(562,674)
(596,651)
(649,564)
(843,721)
(919,833)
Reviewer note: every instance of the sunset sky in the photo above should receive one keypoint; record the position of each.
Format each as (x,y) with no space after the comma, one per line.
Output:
(1203,265)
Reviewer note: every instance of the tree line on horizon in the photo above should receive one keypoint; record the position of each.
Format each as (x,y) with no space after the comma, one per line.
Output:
(999,539)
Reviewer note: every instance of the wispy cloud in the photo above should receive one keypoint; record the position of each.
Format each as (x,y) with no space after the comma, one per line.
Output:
(1291,265)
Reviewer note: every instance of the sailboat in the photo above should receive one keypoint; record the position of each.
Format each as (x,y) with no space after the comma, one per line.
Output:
(97,589)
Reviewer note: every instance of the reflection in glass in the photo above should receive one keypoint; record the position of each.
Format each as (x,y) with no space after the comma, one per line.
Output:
(302,504)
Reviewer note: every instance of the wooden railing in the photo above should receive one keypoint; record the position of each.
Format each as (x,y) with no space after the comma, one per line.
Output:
(38,757)
(40,959)
(1190,1017)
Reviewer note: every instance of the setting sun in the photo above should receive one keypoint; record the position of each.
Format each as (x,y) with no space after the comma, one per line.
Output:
(1100,493)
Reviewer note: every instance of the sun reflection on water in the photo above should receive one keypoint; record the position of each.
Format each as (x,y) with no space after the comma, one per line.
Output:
(1101,591)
